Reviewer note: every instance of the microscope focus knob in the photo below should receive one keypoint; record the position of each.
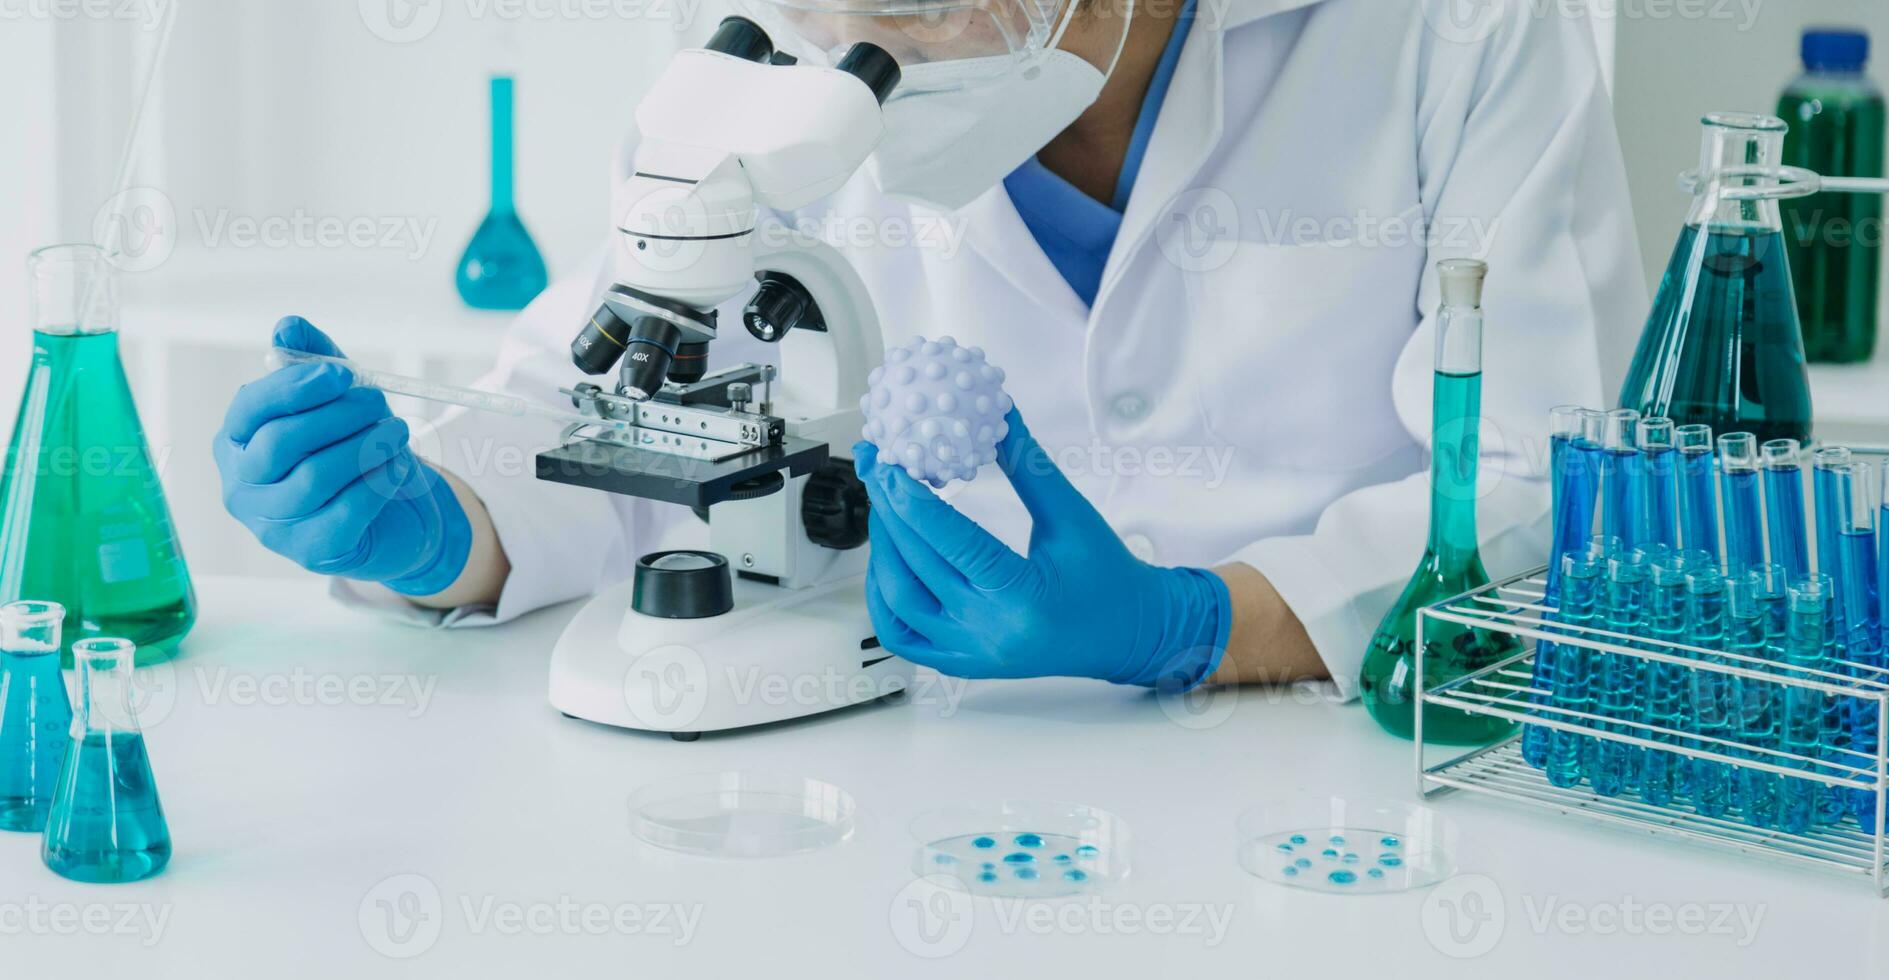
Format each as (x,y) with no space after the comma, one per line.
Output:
(834,505)
(682,585)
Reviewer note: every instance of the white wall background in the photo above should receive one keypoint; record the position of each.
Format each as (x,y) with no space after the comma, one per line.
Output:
(269,111)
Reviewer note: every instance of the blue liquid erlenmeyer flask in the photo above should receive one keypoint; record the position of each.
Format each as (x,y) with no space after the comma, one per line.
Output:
(1723,346)
(34,713)
(106,823)
(501,268)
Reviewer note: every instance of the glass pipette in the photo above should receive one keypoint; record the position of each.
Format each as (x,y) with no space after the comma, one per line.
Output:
(401,384)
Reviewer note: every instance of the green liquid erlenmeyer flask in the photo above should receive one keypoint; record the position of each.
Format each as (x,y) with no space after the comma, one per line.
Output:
(1723,347)
(1452,560)
(83,520)
(501,268)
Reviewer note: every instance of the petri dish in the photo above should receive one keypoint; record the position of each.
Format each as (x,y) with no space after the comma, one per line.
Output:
(1023,849)
(1351,847)
(741,814)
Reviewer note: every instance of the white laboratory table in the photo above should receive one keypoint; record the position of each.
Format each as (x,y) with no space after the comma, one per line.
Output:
(476,832)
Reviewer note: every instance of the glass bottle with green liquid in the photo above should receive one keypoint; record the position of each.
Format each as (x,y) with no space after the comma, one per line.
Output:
(1836,117)
(1452,560)
(1722,346)
(83,519)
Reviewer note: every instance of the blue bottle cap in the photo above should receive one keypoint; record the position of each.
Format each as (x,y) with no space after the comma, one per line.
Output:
(1835,49)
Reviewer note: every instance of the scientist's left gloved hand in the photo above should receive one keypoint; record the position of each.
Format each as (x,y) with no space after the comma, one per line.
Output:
(945,593)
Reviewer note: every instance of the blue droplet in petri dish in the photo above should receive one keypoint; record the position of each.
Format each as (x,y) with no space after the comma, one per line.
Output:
(1329,854)
(987,876)
(1076,874)
(988,866)
(943,859)
(1350,858)
(1391,842)
(1285,848)
(1062,859)
(1088,851)
(1337,838)
(1303,862)
(1342,877)
(1026,874)
(1029,840)
(1290,871)
(1389,860)
(1019,858)
(1298,838)
(1376,872)
(984,842)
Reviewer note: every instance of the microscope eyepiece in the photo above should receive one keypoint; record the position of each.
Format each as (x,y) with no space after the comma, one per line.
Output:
(742,38)
(873,65)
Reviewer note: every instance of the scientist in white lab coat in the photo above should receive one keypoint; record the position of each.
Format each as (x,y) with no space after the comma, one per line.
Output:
(1198,235)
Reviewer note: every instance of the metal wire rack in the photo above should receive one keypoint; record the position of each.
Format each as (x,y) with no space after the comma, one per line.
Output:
(1506,690)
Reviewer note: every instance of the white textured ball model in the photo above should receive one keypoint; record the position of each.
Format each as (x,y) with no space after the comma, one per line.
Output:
(936,409)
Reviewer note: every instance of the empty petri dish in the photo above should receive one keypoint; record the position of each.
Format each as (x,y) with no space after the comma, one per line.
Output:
(1023,849)
(741,814)
(1350,847)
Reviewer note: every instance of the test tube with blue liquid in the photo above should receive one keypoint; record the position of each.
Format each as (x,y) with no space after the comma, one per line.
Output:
(1754,636)
(1860,589)
(1617,764)
(1664,686)
(1698,496)
(1827,501)
(1622,496)
(1742,501)
(1806,647)
(1784,511)
(1657,474)
(1710,708)
(1574,465)
(1573,682)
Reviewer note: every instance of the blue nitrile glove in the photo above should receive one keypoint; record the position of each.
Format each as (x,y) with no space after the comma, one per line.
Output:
(321,473)
(945,593)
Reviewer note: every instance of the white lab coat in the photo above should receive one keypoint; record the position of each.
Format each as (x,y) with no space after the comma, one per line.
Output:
(1253,382)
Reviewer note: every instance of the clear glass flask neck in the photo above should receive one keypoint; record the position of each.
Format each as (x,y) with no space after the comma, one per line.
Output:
(106,693)
(502,128)
(75,290)
(1736,151)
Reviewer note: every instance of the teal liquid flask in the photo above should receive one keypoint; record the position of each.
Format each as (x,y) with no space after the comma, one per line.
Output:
(34,713)
(106,823)
(83,519)
(501,268)
(1723,347)
(1452,560)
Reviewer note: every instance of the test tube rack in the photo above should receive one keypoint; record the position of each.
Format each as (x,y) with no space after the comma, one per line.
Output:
(1515,606)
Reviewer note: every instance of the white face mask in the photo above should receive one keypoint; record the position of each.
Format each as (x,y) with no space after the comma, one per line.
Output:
(950,140)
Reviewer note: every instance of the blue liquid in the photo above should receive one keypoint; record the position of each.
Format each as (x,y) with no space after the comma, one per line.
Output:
(1759,704)
(1617,764)
(984,842)
(1087,851)
(1337,839)
(1802,724)
(1342,877)
(1029,840)
(35,715)
(501,268)
(1784,513)
(1698,503)
(1664,693)
(1655,475)
(1389,860)
(1075,874)
(1623,496)
(1744,519)
(1376,872)
(1829,494)
(106,823)
(1863,630)
(1027,873)
(1712,708)
(1576,468)
(1390,842)
(1298,838)
(1019,858)
(987,876)
(1573,687)
(1722,345)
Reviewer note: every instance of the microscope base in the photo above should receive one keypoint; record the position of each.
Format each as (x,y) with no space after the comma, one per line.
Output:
(778,654)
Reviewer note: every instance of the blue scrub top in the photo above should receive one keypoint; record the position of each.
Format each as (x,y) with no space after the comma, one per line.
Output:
(1075,230)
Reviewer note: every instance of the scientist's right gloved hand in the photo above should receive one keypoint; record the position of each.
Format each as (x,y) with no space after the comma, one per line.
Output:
(321,473)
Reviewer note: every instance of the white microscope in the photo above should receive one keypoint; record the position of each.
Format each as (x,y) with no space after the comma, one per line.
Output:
(770,623)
